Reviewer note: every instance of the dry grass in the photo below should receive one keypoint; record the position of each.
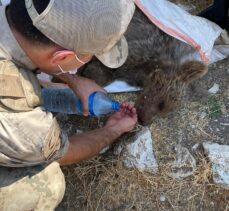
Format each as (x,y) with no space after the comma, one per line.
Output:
(101,184)
(203,173)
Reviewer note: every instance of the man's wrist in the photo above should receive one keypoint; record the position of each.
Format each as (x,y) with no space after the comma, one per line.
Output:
(112,132)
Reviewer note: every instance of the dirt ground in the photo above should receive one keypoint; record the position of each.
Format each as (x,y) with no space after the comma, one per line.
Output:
(102,183)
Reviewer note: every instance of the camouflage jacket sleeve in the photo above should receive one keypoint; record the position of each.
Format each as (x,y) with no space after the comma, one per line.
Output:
(28,135)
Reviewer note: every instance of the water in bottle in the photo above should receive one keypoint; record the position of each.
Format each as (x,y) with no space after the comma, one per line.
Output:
(65,101)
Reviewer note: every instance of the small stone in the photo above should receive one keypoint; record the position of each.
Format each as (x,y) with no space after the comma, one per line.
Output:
(104,150)
(184,165)
(162,198)
(203,115)
(195,147)
(118,149)
(79,131)
(214,89)
(219,158)
(138,152)
(193,126)
(5,2)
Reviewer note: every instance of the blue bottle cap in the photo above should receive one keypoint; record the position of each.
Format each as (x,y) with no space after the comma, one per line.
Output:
(91,100)
(115,105)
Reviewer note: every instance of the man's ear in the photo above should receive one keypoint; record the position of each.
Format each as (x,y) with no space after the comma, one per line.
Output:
(61,56)
(192,70)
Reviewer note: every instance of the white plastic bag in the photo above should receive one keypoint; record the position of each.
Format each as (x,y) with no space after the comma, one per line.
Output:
(196,31)
(4,2)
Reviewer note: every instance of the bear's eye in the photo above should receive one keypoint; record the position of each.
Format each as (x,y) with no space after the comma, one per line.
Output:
(161,105)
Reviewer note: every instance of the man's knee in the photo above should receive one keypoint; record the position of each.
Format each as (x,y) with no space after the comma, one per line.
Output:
(32,188)
(55,184)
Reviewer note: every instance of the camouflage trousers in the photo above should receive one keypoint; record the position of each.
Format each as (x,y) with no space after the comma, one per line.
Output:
(34,188)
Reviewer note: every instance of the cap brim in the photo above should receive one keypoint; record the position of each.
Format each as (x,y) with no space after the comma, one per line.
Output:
(116,56)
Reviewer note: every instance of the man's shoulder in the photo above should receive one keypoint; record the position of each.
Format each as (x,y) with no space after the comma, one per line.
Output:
(8,67)
(19,89)
(10,80)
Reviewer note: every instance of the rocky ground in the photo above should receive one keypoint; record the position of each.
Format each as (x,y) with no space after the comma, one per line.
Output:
(103,183)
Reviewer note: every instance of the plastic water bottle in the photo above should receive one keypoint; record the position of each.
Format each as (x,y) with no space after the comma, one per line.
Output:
(65,101)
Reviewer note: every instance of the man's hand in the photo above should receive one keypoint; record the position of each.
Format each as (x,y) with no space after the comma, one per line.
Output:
(124,120)
(83,88)
(86,145)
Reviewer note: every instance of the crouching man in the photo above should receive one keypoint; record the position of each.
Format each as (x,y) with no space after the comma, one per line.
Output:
(57,37)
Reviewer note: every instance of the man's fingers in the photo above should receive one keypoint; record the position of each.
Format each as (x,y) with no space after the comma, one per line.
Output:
(85,108)
(133,114)
(128,110)
(134,111)
(126,106)
(104,90)
(123,105)
(130,106)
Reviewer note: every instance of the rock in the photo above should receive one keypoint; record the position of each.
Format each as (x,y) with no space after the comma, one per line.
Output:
(138,152)
(195,147)
(214,89)
(219,157)
(212,203)
(162,198)
(203,115)
(184,165)
(104,150)
(5,2)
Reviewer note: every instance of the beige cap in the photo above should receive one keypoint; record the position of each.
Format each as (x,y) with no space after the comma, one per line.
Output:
(87,26)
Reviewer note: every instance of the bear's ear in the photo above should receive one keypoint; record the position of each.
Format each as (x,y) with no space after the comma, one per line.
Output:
(192,70)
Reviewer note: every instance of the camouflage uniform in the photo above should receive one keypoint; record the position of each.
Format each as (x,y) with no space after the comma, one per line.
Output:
(29,136)
(33,188)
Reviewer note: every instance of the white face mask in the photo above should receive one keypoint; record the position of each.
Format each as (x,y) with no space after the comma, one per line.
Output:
(72,72)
